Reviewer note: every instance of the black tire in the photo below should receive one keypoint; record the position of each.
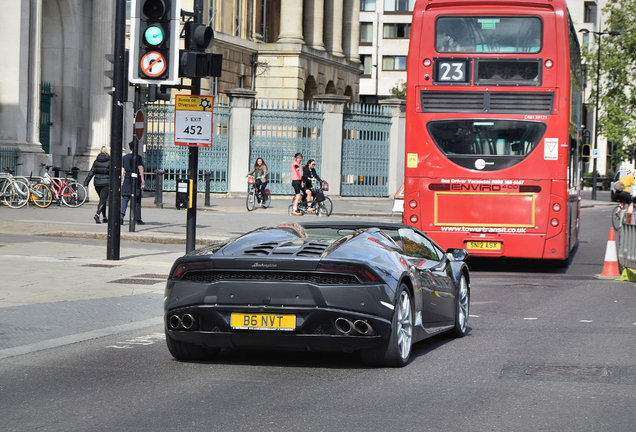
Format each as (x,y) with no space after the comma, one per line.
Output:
(250,202)
(189,352)
(396,351)
(462,308)
(328,205)
(616,217)
(268,199)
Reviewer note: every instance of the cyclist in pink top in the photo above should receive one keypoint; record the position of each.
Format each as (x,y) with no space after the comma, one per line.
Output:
(297,182)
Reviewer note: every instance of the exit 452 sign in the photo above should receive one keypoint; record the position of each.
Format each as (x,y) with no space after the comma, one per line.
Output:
(193,120)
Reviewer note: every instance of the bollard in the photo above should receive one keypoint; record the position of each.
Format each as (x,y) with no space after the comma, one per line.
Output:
(207,188)
(75,171)
(56,172)
(159,188)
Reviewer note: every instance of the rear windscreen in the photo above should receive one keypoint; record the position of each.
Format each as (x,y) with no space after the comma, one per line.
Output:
(486,137)
(477,34)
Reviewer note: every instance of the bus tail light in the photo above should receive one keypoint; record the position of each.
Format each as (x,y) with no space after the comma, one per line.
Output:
(427,62)
(549,64)
(414,219)
(412,204)
(556,207)
(554,222)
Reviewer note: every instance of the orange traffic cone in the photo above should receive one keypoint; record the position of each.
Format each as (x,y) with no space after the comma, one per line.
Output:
(610,268)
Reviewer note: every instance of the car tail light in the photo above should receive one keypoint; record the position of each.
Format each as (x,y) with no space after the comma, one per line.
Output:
(181,269)
(364,274)
(554,222)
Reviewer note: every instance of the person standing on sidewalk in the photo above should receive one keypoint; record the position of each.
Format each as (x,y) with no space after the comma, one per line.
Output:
(128,169)
(101,171)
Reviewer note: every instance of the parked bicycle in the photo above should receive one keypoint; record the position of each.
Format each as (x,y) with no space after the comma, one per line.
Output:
(323,208)
(13,192)
(67,190)
(252,193)
(618,213)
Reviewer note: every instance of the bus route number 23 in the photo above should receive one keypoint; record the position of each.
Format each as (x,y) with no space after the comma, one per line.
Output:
(451,71)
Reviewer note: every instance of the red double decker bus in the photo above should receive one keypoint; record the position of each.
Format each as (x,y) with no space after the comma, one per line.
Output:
(493,127)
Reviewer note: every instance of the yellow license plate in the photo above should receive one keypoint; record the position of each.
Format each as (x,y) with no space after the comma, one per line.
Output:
(243,321)
(483,245)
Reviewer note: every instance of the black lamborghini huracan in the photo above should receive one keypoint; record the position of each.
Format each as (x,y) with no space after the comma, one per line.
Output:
(376,288)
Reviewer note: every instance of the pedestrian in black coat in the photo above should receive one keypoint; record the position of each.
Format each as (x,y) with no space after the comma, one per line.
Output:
(101,172)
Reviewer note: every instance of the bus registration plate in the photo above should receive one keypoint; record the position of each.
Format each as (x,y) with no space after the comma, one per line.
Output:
(483,245)
(243,321)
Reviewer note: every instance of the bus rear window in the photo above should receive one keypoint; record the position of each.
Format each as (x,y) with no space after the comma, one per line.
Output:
(486,137)
(477,34)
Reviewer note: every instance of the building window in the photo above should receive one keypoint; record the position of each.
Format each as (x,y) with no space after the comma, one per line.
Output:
(368,66)
(366,33)
(398,5)
(394,63)
(367,5)
(396,31)
(590,12)
(586,40)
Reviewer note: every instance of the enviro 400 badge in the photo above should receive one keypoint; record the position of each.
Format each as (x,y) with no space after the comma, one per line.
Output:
(193,120)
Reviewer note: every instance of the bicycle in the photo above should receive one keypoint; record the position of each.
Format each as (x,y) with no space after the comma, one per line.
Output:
(323,208)
(617,216)
(250,202)
(13,192)
(69,191)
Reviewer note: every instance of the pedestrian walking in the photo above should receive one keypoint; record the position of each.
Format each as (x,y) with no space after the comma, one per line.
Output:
(100,171)
(128,170)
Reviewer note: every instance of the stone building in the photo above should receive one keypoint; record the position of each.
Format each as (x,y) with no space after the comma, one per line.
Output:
(282,49)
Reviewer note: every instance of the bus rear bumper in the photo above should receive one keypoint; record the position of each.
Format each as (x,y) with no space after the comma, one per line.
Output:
(510,245)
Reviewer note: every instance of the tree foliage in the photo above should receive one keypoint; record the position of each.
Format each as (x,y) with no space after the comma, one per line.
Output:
(617,102)
(399,90)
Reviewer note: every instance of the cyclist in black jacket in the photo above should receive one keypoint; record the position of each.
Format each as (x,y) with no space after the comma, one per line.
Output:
(309,176)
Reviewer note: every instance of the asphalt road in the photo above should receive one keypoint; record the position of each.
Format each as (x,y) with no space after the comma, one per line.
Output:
(549,349)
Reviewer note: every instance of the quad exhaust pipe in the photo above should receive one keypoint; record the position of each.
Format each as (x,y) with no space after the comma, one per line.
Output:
(356,328)
(186,321)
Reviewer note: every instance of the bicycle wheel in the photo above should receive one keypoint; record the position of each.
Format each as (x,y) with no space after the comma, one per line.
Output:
(16,194)
(73,195)
(250,203)
(268,199)
(616,217)
(290,210)
(327,206)
(41,195)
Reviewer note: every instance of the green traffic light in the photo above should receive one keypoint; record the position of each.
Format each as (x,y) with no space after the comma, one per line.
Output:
(154,35)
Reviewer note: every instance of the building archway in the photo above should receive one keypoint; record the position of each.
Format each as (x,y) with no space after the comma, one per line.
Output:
(311,89)
(331,88)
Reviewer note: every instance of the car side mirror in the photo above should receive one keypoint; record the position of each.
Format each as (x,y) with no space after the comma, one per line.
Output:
(456,254)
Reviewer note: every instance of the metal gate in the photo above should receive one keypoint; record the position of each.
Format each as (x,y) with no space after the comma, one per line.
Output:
(45,116)
(8,158)
(162,154)
(365,150)
(280,129)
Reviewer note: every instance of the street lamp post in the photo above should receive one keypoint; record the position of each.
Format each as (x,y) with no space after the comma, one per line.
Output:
(598,82)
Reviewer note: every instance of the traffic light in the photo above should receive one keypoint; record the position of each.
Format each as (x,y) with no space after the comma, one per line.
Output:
(154,41)
(586,153)
(195,62)
(110,73)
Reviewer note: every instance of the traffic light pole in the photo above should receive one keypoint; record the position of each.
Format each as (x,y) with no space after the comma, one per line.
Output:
(116,133)
(191,226)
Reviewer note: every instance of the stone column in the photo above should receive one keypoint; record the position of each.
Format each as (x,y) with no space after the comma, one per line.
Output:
(331,163)
(291,22)
(333,27)
(396,146)
(351,29)
(313,21)
(241,101)
(100,105)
